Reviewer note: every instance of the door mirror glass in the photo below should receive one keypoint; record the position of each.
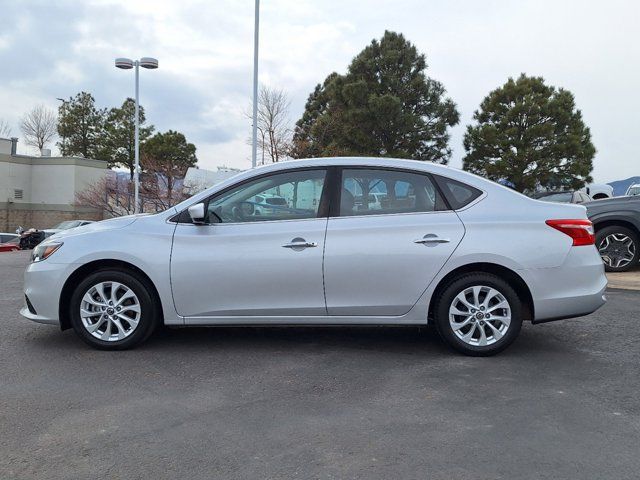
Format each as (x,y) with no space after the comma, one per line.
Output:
(196,212)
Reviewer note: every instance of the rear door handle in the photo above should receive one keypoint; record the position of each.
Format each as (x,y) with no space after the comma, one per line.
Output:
(299,243)
(431,239)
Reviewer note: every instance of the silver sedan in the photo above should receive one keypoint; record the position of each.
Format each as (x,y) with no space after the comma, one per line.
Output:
(354,241)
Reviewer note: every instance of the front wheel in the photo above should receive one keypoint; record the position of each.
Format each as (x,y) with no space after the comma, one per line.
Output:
(478,314)
(618,247)
(113,310)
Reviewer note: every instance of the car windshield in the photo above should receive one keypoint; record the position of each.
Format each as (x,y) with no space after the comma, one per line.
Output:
(67,225)
(562,197)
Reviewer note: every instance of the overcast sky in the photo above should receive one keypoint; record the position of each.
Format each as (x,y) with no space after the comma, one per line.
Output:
(52,49)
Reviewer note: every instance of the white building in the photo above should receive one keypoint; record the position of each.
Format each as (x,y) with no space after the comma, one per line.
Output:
(198,179)
(41,191)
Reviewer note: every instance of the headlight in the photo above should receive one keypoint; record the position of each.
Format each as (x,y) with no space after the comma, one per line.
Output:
(44,251)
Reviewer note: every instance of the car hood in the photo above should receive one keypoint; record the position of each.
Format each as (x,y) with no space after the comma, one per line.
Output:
(110,224)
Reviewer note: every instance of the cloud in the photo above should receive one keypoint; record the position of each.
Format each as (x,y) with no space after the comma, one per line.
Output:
(203,86)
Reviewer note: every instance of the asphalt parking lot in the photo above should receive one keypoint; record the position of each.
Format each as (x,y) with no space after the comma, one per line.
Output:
(232,403)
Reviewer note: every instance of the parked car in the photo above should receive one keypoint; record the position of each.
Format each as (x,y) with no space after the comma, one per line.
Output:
(268,204)
(31,238)
(598,191)
(450,248)
(66,225)
(7,237)
(564,196)
(617,226)
(633,190)
(11,245)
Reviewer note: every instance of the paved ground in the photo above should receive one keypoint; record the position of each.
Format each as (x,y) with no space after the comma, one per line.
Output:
(627,281)
(367,403)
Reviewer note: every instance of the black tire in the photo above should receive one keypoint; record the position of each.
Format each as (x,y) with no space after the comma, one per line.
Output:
(459,285)
(149,311)
(620,232)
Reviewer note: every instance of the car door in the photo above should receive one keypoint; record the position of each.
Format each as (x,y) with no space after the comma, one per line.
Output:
(245,263)
(379,261)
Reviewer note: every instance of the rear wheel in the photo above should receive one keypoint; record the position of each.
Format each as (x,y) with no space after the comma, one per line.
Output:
(618,247)
(113,310)
(478,314)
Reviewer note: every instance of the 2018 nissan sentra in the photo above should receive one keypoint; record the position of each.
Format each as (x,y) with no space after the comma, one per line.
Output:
(443,246)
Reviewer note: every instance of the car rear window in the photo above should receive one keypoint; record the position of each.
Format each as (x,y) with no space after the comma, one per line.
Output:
(458,194)
(561,197)
(276,201)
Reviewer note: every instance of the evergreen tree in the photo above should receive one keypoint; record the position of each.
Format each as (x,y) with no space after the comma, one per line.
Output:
(168,155)
(530,135)
(81,127)
(384,105)
(119,134)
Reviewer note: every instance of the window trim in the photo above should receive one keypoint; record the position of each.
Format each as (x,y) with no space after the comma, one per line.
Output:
(323,206)
(334,211)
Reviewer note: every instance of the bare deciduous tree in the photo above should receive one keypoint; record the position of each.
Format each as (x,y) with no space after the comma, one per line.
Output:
(117,198)
(39,127)
(158,184)
(274,134)
(104,195)
(5,129)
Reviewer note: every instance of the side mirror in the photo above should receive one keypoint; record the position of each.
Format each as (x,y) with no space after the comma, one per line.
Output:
(196,212)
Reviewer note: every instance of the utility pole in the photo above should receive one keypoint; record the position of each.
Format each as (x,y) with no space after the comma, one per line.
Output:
(254,151)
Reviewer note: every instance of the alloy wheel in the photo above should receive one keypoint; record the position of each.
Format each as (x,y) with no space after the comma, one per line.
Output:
(480,315)
(617,250)
(110,311)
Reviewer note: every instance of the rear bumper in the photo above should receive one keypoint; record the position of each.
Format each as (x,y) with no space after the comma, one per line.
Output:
(574,289)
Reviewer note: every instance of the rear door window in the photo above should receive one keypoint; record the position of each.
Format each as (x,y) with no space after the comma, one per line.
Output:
(380,192)
(458,194)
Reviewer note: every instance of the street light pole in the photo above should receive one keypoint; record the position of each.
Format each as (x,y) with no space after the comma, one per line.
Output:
(127,64)
(136,172)
(254,151)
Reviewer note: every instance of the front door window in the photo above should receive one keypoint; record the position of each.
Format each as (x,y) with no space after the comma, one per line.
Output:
(282,196)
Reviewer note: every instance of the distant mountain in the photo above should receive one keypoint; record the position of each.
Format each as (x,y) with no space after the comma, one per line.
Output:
(620,186)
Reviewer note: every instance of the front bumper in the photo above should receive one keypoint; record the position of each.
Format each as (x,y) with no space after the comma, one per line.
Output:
(43,282)
(574,289)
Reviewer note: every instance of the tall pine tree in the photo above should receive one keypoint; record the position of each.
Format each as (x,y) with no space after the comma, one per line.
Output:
(531,136)
(119,134)
(384,105)
(81,127)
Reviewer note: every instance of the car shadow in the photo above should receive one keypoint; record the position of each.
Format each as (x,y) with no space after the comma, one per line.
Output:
(394,340)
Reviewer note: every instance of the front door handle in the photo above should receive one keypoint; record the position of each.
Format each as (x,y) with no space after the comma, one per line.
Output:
(299,243)
(431,239)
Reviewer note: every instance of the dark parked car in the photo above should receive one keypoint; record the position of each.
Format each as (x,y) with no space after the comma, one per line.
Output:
(564,196)
(31,238)
(617,225)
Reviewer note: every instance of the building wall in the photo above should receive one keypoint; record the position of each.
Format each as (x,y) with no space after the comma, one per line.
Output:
(15,176)
(49,186)
(11,218)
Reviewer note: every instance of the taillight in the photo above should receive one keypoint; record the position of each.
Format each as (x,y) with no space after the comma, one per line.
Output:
(581,231)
